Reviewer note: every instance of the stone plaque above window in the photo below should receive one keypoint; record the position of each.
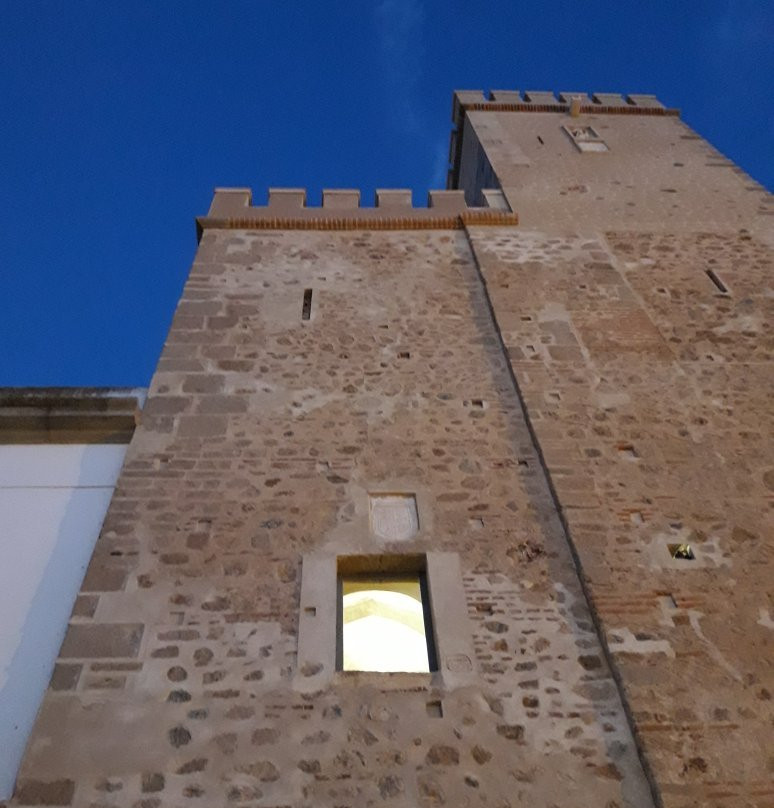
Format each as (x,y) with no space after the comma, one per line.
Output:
(394,517)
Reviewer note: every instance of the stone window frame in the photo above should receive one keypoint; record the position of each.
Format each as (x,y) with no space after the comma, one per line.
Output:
(595,141)
(318,620)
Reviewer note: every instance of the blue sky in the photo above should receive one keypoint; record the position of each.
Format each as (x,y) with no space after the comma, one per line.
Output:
(118,119)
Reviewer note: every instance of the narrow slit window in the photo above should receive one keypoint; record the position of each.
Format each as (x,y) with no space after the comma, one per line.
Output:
(306,308)
(719,285)
(384,624)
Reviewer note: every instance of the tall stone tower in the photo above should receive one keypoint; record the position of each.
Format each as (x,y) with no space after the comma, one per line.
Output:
(464,505)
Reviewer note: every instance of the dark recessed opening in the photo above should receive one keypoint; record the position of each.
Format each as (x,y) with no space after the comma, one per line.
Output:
(434,709)
(306,308)
(721,287)
(404,355)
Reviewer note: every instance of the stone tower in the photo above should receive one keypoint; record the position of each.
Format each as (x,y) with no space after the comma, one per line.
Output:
(515,445)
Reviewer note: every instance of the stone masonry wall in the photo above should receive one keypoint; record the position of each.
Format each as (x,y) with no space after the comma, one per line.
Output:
(263,434)
(657,175)
(650,394)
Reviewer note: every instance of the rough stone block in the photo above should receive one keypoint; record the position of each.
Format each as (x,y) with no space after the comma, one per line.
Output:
(644,100)
(89,641)
(104,576)
(340,199)
(447,201)
(65,676)
(541,98)
(230,201)
(495,198)
(393,197)
(202,426)
(506,96)
(609,99)
(44,792)
(287,199)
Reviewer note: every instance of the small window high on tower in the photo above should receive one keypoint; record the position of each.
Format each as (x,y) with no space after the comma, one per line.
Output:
(586,138)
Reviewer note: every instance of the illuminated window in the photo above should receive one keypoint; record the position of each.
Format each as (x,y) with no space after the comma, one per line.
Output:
(384,623)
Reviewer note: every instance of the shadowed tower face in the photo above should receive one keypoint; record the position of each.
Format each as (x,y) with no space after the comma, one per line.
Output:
(395,527)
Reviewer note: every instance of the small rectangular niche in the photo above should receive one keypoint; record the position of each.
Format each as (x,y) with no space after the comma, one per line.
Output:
(434,709)
(306,308)
(719,285)
(404,355)
(586,138)
(384,621)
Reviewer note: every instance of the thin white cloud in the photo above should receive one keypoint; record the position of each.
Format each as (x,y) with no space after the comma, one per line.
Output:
(399,26)
(440,163)
(743,22)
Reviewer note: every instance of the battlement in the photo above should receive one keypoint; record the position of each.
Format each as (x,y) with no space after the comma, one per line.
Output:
(341,209)
(547,101)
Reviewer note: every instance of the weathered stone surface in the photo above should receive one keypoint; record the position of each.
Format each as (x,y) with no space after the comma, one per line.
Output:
(102,640)
(44,792)
(65,676)
(640,417)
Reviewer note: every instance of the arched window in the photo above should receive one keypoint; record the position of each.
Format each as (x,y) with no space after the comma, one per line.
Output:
(384,624)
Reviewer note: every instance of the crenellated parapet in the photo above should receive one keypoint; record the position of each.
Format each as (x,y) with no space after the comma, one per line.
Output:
(341,209)
(547,101)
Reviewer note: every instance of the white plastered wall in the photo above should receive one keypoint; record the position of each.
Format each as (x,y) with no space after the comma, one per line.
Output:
(53,499)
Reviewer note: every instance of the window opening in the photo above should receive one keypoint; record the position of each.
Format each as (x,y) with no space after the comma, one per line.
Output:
(306,308)
(719,285)
(681,551)
(586,138)
(384,623)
